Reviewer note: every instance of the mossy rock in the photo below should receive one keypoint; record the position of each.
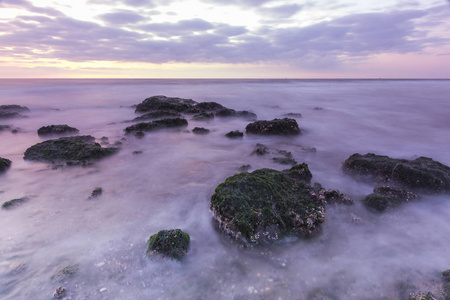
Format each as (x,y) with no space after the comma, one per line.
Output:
(4,164)
(158,114)
(157,125)
(209,106)
(264,206)
(299,172)
(285,126)
(165,103)
(172,243)
(200,130)
(228,112)
(422,174)
(385,197)
(421,296)
(203,116)
(97,192)
(234,134)
(57,129)
(14,202)
(75,149)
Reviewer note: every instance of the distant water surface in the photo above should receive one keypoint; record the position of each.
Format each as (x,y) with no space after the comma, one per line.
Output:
(169,185)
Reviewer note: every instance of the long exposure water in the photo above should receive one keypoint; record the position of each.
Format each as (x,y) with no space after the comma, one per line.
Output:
(100,243)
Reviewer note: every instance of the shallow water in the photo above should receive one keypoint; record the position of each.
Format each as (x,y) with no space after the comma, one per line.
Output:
(169,185)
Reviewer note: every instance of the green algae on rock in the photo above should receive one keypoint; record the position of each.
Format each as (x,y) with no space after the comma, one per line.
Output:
(266,205)
(172,243)
(4,164)
(285,126)
(75,149)
(422,174)
(156,125)
(385,197)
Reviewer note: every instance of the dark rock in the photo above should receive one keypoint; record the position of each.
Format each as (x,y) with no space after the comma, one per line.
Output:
(11,111)
(169,243)
(293,115)
(57,129)
(76,149)
(139,134)
(158,124)
(234,134)
(332,196)
(384,197)
(204,116)
(421,296)
(244,168)
(65,273)
(284,160)
(137,152)
(158,114)
(299,172)
(446,284)
(60,293)
(193,110)
(260,149)
(209,106)
(9,115)
(446,275)
(228,112)
(165,103)
(422,174)
(284,126)
(5,127)
(200,130)
(264,206)
(4,164)
(14,202)
(97,192)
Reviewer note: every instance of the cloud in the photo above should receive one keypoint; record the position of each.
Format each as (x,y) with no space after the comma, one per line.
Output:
(132,3)
(31,8)
(122,17)
(282,11)
(246,3)
(179,28)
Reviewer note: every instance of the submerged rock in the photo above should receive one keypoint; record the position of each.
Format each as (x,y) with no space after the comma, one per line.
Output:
(165,103)
(299,172)
(385,197)
(203,116)
(234,134)
(283,126)
(260,149)
(209,106)
(156,125)
(14,202)
(284,160)
(172,243)
(11,111)
(200,130)
(60,293)
(57,129)
(4,164)
(244,168)
(422,174)
(293,115)
(228,112)
(97,192)
(75,149)
(421,296)
(158,114)
(264,206)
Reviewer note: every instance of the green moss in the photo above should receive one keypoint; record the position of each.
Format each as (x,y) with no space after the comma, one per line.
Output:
(172,243)
(265,205)
(385,197)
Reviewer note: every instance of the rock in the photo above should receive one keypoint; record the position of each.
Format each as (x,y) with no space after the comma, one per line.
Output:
(333,197)
(60,293)
(158,124)
(65,273)
(421,296)
(422,174)
(446,275)
(446,284)
(384,197)
(209,106)
(97,192)
(11,111)
(293,115)
(284,160)
(260,149)
(5,128)
(4,164)
(165,103)
(200,130)
(264,206)
(76,149)
(57,129)
(244,168)
(158,114)
(137,152)
(172,243)
(14,202)
(204,116)
(228,112)
(299,172)
(234,134)
(284,126)
(139,134)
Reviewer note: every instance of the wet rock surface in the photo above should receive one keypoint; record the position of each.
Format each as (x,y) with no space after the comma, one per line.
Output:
(203,116)
(160,102)
(157,125)
(234,134)
(172,243)
(56,130)
(158,114)
(422,174)
(285,126)
(228,112)
(74,149)
(263,206)
(385,197)
(5,164)
(200,130)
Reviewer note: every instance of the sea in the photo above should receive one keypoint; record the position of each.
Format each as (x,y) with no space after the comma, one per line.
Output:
(95,247)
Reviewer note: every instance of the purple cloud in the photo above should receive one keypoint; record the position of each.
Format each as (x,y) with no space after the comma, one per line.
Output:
(122,17)
(282,11)
(176,29)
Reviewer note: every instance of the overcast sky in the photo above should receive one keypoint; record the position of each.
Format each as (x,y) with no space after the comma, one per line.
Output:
(225,38)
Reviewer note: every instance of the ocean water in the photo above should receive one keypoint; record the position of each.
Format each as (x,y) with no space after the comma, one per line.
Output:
(101,242)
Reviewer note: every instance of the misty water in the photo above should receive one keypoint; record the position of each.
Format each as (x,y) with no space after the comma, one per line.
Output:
(359,254)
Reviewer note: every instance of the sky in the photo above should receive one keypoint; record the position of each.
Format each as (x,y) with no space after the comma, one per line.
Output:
(224,39)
